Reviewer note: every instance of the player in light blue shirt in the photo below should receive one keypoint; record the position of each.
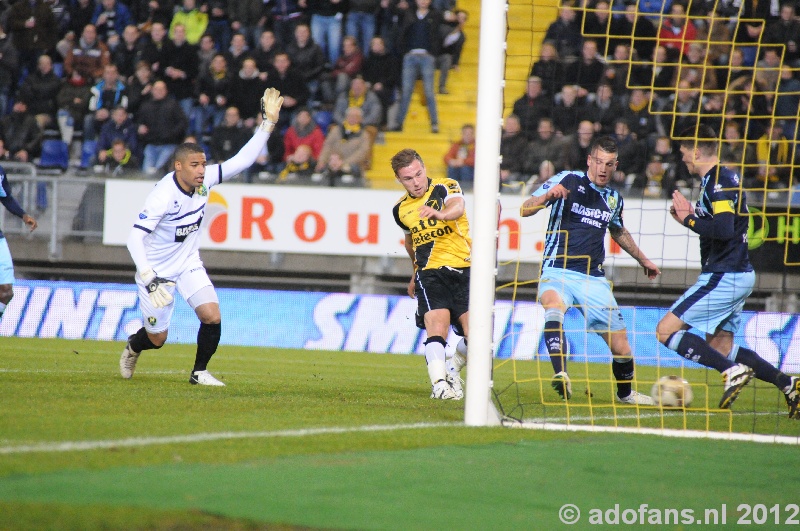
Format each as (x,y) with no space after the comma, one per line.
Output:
(582,208)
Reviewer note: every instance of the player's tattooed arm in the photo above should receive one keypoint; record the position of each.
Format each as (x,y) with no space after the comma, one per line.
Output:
(627,243)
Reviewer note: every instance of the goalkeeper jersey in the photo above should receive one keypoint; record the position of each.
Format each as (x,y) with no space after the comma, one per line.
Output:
(576,232)
(166,235)
(172,218)
(436,243)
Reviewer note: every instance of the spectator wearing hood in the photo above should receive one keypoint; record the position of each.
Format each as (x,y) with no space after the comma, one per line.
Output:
(303,131)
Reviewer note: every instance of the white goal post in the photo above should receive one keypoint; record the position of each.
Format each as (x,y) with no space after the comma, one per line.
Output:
(478,408)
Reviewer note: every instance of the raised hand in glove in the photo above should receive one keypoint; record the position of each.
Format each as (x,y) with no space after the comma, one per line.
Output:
(157,288)
(270,109)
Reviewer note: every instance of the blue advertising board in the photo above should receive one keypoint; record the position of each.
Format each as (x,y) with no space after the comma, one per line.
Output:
(344,321)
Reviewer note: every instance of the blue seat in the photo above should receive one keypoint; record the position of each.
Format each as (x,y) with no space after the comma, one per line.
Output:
(324,119)
(55,154)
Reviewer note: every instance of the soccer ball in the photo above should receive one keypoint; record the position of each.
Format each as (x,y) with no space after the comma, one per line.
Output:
(672,391)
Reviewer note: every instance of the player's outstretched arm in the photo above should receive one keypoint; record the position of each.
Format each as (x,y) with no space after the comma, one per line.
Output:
(11,204)
(271,103)
(535,203)
(626,242)
(30,221)
(454,209)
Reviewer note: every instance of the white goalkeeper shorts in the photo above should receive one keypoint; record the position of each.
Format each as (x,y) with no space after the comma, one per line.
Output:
(191,281)
(6,265)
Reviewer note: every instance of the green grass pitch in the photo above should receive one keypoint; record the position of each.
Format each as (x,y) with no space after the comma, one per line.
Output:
(310,439)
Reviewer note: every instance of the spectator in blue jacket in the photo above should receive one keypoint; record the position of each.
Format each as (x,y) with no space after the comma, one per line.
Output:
(108,93)
(110,17)
(120,126)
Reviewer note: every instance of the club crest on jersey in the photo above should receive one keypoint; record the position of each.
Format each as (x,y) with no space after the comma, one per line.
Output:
(202,191)
(435,204)
(581,189)
(612,202)
(152,320)
(143,215)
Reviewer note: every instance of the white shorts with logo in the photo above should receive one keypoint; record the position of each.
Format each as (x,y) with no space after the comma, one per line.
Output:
(591,295)
(193,279)
(6,265)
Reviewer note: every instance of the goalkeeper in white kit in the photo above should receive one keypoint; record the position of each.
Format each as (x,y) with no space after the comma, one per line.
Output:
(164,245)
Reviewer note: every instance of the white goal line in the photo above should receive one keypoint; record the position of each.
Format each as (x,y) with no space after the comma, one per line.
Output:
(663,432)
(643,415)
(79,446)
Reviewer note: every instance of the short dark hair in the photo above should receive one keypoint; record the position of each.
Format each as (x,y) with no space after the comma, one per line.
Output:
(703,138)
(186,149)
(605,143)
(404,158)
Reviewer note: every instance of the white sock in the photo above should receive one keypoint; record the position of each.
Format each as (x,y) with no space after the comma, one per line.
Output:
(434,356)
(459,359)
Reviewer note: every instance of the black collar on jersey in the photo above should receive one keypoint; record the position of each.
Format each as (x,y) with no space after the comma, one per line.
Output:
(175,180)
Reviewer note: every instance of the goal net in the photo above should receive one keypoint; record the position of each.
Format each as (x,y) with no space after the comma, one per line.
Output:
(667,73)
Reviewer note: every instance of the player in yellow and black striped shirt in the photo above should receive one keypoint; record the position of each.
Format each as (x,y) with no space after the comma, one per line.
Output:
(433,217)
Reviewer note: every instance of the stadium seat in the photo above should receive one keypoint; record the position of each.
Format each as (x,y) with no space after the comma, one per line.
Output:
(55,154)
(324,119)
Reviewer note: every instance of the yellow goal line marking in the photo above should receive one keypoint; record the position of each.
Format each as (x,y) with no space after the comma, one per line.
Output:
(80,446)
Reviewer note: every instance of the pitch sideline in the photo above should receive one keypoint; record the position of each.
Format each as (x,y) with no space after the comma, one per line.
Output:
(79,446)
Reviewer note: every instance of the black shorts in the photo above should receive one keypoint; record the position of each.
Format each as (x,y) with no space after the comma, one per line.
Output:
(443,288)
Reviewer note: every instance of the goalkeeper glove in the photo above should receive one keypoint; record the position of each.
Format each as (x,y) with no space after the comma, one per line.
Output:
(270,109)
(157,288)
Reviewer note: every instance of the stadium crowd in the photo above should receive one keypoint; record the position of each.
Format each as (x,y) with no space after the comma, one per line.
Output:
(123,82)
(645,71)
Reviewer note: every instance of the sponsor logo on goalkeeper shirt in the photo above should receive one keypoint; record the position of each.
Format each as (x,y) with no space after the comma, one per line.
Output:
(182,232)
